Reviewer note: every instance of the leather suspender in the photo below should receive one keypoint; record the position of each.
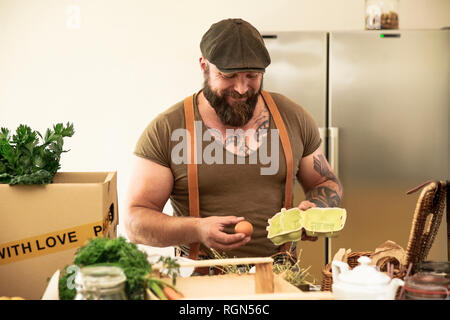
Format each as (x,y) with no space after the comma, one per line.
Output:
(194,209)
(286,144)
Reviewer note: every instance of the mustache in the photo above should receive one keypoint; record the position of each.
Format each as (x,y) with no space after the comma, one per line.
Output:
(236,95)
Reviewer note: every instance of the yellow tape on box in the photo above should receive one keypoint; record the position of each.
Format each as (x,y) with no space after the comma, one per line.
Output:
(49,243)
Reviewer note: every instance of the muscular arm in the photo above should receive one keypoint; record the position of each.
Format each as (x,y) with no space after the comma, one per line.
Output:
(148,191)
(145,223)
(322,187)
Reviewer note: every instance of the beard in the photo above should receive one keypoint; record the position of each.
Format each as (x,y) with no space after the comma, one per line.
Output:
(236,114)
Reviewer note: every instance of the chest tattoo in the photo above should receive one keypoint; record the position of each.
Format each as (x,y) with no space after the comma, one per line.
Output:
(244,142)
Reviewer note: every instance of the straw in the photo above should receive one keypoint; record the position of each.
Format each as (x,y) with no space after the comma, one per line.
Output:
(390,271)
(406,276)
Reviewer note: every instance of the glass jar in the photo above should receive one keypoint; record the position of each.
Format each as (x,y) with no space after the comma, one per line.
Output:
(435,267)
(373,15)
(100,283)
(427,286)
(381,14)
(389,15)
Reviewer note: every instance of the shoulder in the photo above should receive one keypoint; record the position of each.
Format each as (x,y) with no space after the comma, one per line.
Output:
(288,107)
(154,142)
(172,115)
(168,120)
(299,123)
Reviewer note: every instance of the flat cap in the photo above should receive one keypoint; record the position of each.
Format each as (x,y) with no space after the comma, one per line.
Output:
(234,45)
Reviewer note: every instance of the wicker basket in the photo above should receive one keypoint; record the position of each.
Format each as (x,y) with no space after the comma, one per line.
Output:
(327,277)
(431,202)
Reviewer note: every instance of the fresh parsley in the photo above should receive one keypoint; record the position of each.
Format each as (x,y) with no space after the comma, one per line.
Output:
(27,157)
(113,252)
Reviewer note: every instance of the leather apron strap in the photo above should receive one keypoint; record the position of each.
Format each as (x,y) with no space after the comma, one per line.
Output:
(194,209)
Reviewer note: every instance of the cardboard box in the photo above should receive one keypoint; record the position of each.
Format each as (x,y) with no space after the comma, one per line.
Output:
(41,227)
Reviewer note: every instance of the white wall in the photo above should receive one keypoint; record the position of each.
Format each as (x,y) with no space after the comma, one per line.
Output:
(117,64)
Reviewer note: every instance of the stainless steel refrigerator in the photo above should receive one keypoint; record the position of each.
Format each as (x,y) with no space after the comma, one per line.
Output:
(381,101)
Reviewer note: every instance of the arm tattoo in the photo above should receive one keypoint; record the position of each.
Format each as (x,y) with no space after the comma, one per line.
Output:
(325,196)
(320,165)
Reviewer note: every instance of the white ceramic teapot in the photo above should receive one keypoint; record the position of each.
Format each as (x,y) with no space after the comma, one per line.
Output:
(364,282)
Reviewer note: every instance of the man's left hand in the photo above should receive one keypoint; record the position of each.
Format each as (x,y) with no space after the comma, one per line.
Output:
(305,205)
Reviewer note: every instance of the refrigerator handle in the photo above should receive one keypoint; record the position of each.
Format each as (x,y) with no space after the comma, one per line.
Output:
(333,159)
(323,137)
(333,149)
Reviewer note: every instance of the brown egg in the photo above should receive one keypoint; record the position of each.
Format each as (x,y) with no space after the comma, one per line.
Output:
(244,227)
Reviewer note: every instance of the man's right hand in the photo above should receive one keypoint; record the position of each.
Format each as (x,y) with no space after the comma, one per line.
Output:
(150,187)
(211,233)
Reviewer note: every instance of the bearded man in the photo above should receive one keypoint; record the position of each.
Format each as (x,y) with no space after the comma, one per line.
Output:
(241,119)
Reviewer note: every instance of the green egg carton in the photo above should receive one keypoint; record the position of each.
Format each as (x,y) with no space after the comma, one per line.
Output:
(288,225)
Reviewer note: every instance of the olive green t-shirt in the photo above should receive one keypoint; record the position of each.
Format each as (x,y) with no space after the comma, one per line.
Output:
(250,186)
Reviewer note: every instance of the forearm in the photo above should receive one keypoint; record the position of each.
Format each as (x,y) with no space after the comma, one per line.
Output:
(326,194)
(154,228)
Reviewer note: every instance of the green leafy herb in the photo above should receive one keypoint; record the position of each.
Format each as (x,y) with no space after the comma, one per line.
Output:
(115,252)
(66,292)
(172,267)
(27,157)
